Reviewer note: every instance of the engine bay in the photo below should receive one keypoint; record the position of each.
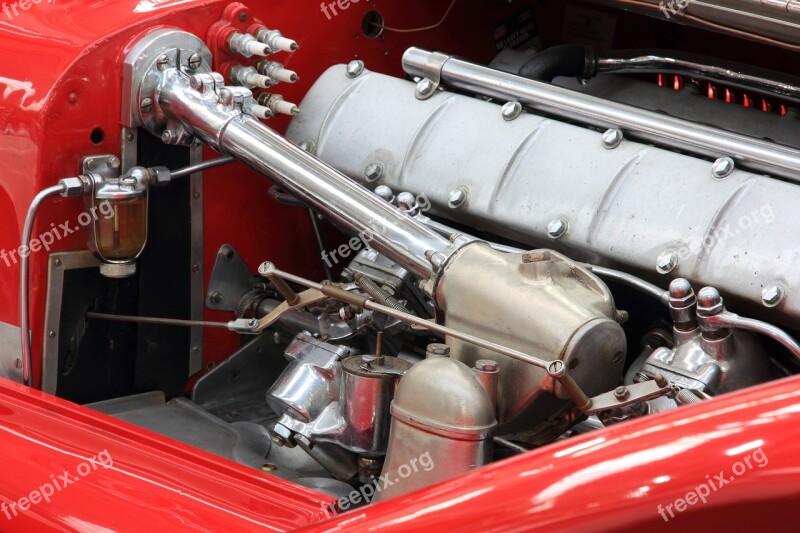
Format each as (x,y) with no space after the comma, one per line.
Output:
(462,257)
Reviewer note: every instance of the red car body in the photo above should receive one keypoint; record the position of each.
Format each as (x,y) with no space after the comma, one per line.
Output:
(60,79)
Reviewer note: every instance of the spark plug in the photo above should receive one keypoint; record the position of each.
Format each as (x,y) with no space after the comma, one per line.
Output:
(275,40)
(248,77)
(276,72)
(277,105)
(247,45)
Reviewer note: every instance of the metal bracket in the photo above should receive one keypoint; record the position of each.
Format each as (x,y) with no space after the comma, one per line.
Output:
(432,71)
(230,280)
(144,66)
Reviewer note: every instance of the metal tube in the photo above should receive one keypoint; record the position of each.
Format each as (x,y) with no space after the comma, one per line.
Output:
(327,191)
(24,318)
(674,62)
(751,153)
(157,320)
(199,167)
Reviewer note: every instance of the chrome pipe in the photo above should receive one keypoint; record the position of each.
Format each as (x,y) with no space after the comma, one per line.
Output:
(24,277)
(750,153)
(350,205)
(673,62)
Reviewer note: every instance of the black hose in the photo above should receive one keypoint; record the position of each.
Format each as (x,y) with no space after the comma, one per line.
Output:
(572,60)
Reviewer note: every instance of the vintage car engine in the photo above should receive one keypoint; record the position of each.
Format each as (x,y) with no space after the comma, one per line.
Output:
(514,252)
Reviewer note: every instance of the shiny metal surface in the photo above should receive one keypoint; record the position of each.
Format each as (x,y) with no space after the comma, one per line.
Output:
(626,207)
(330,193)
(750,153)
(441,410)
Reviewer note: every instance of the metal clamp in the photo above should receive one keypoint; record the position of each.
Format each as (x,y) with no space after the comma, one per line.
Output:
(432,76)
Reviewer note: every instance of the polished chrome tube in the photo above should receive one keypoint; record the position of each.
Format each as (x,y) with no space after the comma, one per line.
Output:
(673,62)
(24,313)
(324,189)
(753,154)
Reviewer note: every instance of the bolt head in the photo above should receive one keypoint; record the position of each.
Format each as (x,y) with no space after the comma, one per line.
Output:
(666,262)
(425,87)
(355,68)
(511,110)
(216,297)
(772,295)
(486,365)
(195,61)
(723,167)
(167,137)
(457,197)
(557,228)
(373,172)
(709,302)
(308,146)
(621,393)
(612,138)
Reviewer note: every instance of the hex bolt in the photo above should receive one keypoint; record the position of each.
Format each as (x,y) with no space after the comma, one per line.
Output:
(511,110)
(723,167)
(666,262)
(557,228)
(195,61)
(621,393)
(167,137)
(437,350)
(486,365)
(612,138)
(425,87)
(772,295)
(374,172)
(146,105)
(355,68)
(457,197)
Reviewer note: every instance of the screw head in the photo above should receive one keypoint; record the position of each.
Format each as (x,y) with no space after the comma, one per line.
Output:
(511,110)
(162,62)
(425,87)
(355,68)
(17,363)
(557,228)
(216,297)
(723,167)
(146,105)
(666,262)
(195,61)
(620,393)
(772,295)
(373,172)
(612,138)
(457,197)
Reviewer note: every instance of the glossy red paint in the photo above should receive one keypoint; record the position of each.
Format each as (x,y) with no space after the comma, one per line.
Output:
(151,483)
(615,479)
